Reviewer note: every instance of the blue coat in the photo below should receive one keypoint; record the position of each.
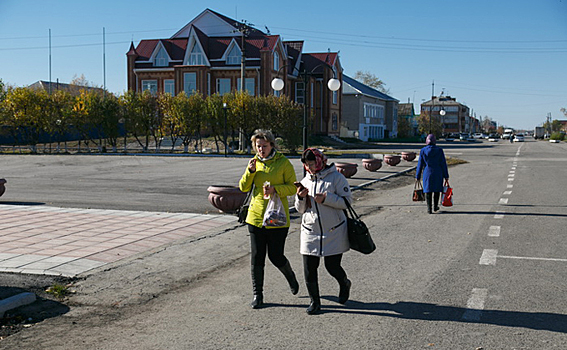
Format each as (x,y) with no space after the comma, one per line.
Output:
(433,166)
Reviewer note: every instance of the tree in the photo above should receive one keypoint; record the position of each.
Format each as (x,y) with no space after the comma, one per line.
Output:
(371,80)
(429,126)
(404,127)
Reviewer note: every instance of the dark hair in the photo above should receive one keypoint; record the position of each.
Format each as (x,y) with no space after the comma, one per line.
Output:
(307,155)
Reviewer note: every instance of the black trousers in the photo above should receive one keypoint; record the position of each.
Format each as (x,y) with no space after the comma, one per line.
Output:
(436,196)
(332,264)
(270,241)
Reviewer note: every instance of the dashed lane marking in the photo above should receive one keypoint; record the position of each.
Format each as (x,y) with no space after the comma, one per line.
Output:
(475,304)
(503,201)
(506,193)
(494,231)
(499,215)
(488,257)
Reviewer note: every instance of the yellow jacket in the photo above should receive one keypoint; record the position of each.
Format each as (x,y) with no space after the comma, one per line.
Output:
(281,175)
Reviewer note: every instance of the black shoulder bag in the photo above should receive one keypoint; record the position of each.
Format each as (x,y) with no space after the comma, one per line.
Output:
(242,212)
(358,235)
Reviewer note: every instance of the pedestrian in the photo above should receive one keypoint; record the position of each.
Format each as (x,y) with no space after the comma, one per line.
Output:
(512,137)
(267,166)
(320,199)
(433,166)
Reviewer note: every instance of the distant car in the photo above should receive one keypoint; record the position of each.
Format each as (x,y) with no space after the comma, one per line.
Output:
(480,135)
(493,137)
(519,138)
(464,137)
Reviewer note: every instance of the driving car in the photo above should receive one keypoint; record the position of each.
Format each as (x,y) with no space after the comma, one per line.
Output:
(519,138)
(493,138)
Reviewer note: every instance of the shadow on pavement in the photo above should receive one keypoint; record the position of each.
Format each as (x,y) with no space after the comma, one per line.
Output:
(433,312)
(21,203)
(504,213)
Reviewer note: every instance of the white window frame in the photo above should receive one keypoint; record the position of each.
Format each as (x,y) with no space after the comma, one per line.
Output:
(161,59)
(189,83)
(299,87)
(196,57)
(234,56)
(223,86)
(276,61)
(169,86)
(150,85)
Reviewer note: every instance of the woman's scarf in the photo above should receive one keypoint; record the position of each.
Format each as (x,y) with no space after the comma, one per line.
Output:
(270,156)
(320,160)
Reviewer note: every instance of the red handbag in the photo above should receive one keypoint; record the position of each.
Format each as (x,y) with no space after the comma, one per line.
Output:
(447,200)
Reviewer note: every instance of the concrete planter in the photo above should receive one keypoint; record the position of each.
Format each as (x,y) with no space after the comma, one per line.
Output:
(392,159)
(347,169)
(226,198)
(2,186)
(372,164)
(408,156)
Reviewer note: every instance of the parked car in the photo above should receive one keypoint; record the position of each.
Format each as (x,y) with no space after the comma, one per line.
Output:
(519,138)
(480,135)
(493,137)
(464,136)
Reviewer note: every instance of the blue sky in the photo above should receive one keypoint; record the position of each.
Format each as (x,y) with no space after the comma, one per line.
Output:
(504,59)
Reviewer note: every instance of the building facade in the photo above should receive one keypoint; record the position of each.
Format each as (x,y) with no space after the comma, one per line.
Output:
(216,54)
(457,118)
(368,114)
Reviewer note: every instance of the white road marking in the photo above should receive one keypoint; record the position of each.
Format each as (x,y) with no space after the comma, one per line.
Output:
(530,258)
(503,201)
(499,215)
(494,231)
(511,175)
(512,171)
(509,186)
(507,193)
(488,257)
(475,304)
(510,179)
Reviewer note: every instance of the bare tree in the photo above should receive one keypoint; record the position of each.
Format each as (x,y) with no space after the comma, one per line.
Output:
(371,80)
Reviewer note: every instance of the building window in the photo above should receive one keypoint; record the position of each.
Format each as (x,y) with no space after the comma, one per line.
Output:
(277,93)
(161,59)
(189,83)
(209,84)
(169,86)
(374,111)
(312,94)
(223,86)
(150,85)
(276,61)
(299,92)
(249,85)
(234,56)
(335,122)
(196,58)
(335,97)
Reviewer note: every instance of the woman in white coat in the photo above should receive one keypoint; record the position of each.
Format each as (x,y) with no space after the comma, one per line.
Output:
(321,200)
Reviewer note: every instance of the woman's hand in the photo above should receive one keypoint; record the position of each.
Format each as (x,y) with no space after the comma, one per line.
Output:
(302,192)
(320,197)
(252,165)
(269,190)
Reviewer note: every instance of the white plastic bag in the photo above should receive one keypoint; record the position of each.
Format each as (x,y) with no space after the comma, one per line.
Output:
(275,213)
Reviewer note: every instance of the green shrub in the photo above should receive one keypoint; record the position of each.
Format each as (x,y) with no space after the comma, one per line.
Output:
(557,136)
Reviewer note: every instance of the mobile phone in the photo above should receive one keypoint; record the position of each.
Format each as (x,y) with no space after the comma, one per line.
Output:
(298,185)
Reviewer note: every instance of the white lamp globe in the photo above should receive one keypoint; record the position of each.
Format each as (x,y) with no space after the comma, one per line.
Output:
(334,84)
(442,112)
(277,84)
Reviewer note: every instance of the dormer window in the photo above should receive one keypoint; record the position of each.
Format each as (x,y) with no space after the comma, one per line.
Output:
(276,61)
(196,58)
(161,60)
(234,56)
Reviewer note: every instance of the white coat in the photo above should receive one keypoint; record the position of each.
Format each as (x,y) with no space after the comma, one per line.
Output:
(323,226)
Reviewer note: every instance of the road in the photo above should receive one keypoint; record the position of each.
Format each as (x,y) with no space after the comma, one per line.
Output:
(489,272)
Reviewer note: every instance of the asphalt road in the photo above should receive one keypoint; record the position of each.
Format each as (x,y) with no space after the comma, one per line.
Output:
(489,272)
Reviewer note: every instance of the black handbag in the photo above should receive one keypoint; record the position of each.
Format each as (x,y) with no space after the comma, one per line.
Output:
(418,195)
(358,236)
(242,212)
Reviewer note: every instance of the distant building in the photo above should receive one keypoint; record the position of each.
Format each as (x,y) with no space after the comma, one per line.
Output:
(205,56)
(407,111)
(368,114)
(54,86)
(457,118)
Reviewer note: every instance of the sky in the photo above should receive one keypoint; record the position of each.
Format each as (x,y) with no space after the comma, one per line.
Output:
(504,59)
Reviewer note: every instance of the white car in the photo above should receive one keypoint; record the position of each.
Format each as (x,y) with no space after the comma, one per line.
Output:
(519,138)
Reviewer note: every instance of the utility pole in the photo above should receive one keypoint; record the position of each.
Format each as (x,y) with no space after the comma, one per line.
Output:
(244,28)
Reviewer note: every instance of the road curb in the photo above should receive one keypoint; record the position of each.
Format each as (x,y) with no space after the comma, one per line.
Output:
(16,301)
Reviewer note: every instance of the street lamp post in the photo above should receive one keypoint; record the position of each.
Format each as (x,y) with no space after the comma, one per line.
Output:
(333,84)
(224,108)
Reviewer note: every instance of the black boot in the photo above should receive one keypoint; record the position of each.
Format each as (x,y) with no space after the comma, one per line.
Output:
(290,277)
(428,199)
(344,292)
(257,286)
(313,290)
(436,201)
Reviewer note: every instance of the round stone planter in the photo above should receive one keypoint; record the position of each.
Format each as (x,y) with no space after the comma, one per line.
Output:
(347,169)
(2,186)
(392,159)
(408,156)
(226,198)
(372,164)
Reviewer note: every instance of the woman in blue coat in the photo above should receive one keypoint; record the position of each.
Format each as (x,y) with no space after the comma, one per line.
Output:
(433,166)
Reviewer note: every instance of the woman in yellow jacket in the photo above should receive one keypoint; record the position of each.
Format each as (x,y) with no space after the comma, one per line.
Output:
(268,165)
